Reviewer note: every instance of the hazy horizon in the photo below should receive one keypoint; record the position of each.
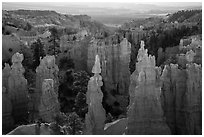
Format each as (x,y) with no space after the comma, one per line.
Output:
(107,13)
(89,5)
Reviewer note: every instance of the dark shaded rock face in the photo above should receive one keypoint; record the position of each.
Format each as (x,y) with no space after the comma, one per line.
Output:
(145,114)
(182,92)
(182,98)
(5,76)
(7,119)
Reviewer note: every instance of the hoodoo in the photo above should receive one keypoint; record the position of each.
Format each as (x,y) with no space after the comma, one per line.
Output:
(96,116)
(17,88)
(145,114)
(46,70)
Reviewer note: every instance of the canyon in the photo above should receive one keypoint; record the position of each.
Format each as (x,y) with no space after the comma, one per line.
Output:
(144,78)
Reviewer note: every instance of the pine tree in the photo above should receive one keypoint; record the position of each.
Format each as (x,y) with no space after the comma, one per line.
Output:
(80,104)
(28,27)
(54,47)
(74,124)
(80,83)
(28,63)
(38,52)
(66,63)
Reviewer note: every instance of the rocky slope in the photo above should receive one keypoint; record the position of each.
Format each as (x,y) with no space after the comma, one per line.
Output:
(37,19)
(186,16)
(10,45)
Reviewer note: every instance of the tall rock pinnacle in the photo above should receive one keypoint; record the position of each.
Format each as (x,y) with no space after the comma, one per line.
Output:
(97,65)
(145,115)
(17,88)
(95,118)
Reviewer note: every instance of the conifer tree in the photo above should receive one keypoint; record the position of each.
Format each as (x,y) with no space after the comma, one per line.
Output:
(38,52)
(54,47)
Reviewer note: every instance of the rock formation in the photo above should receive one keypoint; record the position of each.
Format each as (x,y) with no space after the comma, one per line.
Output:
(134,37)
(49,106)
(198,56)
(7,119)
(116,127)
(46,70)
(115,60)
(182,97)
(17,88)
(184,59)
(160,56)
(10,45)
(145,114)
(96,116)
(5,75)
(75,50)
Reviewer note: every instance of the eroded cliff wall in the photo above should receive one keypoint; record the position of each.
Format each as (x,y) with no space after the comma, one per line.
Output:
(182,96)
